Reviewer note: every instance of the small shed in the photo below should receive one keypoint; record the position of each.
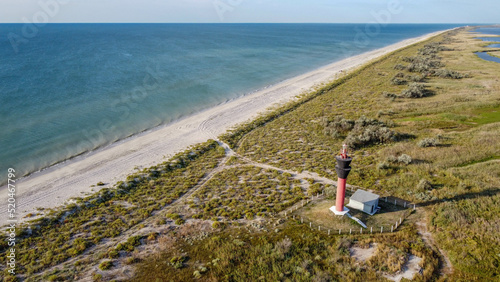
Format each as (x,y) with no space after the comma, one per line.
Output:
(364,201)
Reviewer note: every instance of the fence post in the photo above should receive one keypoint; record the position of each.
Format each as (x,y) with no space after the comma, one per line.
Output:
(361,230)
(400,220)
(340,231)
(395,202)
(328,232)
(392,228)
(301,220)
(350,231)
(405,204)
(310,224)
(371,229)
(386,199)
(413,206)
(396,224)
(381,229)
(319,228)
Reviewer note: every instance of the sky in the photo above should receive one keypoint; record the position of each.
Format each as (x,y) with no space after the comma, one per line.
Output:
(260,11)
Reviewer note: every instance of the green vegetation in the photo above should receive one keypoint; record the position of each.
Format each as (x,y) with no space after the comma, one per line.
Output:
(106,265)
(246,192)
(415,90)
(359,133)
(294,254)
(213,216)
(428,142)
(318,214)
(68,232)
(467,224)
(495,54)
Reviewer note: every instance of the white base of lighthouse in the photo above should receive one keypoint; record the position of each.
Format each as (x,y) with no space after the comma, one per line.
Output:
(334,210)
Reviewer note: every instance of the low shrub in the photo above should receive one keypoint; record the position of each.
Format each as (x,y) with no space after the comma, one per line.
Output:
(369,131)
(415,90)
(415,78)
(338,125)
(405,159)
(113,254)
(177,262)
(398,81)
(392,159)
(152,236)
(314,189)
(445,73)
(383,165)
(428,142)
(389,95)
(106,265)
(400,67)
(173,216)
(424,185)
(96,276)
(131,260)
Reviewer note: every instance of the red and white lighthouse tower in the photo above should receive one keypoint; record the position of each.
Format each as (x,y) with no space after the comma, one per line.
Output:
(343,169)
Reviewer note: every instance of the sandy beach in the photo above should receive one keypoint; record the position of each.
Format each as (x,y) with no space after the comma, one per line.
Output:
(55,186)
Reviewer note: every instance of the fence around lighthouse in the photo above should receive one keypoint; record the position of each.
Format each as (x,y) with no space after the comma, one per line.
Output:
(291,214)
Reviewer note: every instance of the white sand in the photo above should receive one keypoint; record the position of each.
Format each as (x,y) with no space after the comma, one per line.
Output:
(411,268)
(55,186)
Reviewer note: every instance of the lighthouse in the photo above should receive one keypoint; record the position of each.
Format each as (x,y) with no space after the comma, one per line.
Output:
(343,169)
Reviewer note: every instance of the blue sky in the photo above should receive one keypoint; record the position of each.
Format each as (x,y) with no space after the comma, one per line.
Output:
(216,11)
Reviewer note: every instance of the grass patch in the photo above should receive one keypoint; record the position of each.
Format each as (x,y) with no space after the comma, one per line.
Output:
(69,231)
(246,192)
(319,214)
(296,253)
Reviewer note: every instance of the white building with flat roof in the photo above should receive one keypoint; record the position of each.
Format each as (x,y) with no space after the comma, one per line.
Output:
(364,201)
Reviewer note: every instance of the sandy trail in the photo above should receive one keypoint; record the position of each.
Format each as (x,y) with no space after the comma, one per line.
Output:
(447,267)
(54,186)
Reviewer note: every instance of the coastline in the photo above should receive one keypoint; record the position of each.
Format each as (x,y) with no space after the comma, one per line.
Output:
(55,186)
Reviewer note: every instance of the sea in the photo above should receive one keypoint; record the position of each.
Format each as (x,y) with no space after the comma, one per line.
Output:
(69,89)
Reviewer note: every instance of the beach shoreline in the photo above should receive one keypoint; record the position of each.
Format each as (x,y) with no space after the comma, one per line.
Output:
(56,185)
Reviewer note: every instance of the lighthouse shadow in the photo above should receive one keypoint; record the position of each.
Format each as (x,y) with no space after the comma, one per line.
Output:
(389,207)
(472,195)
(386,216)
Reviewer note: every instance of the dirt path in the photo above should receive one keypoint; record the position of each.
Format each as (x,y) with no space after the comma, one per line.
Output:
(138,230)
(447,267)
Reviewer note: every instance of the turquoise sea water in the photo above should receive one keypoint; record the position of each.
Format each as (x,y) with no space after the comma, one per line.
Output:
(74,88)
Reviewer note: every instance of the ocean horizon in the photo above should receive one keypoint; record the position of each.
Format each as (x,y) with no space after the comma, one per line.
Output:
(75,88)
